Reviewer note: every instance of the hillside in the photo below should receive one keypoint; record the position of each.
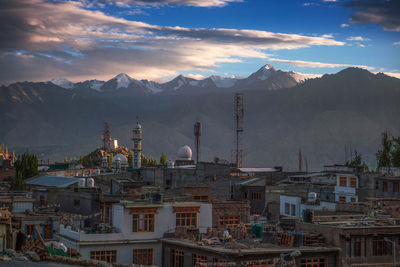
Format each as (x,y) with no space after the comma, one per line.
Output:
(320,115)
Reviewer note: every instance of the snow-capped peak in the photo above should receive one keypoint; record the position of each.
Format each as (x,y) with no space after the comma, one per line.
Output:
(297,76)
(223,82)
(268,67)
(263,73)
(123,80)
(62,82)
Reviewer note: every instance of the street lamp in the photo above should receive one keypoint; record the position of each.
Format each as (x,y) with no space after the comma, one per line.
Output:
(394,249)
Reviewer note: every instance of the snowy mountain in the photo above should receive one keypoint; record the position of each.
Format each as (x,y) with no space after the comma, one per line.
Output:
(62,82)
(266,78)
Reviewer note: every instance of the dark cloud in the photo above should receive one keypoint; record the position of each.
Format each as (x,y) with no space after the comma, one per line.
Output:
(383,12)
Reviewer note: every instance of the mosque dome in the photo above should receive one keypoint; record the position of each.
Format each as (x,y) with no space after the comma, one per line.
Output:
(185,153)
(121,158)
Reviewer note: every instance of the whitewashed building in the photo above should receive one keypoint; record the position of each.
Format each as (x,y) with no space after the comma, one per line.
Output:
(139,227)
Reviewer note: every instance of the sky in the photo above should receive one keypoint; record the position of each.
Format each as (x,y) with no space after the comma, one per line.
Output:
(160,39)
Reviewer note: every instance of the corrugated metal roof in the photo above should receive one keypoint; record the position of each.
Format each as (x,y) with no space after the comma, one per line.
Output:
(257,169)
(249,181)
(54,181)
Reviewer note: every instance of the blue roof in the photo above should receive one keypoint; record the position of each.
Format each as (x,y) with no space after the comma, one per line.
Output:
(54,181)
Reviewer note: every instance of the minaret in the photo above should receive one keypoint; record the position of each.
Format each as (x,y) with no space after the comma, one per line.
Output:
(137,146)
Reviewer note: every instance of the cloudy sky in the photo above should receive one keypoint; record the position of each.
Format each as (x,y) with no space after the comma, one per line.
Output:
(159,39)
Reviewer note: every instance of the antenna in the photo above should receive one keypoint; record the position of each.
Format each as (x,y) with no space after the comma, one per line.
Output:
(197,134)
(300,160)
(106,137)
(237,154)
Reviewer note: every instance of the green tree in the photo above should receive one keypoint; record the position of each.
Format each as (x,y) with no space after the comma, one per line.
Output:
(395,153)
(153,162)
(65,159)
(356,160)
(163,159)
(383,156)
(26,167)
(145,161)
(110,159)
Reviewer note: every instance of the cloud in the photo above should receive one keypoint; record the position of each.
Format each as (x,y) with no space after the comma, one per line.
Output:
(196,3)
(66,39)
(357,38)
(195,76)
(329,0)
(316,64)
(393,74)
(396,43)
(344,25)
(382,12)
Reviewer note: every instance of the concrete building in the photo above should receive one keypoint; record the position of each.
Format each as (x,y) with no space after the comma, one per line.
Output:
(363,241)
(184,253)
(139,228)
(137,147)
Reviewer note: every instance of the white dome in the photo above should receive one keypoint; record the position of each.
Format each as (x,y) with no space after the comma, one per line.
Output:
(121,158)
(185,153)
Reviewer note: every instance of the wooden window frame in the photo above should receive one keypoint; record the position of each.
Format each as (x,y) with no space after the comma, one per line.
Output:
(256,195)
(30,229)
(385,186)
(143,223)
(186,219)
(380,247)
(177,257)
(342,199)
(313,262)
(229,221)
(143,256)
(353,182)
(343,181)
(198,259)
(395,187)
(109,256)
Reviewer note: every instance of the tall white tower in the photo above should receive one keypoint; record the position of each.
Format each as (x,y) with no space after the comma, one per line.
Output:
(137,147)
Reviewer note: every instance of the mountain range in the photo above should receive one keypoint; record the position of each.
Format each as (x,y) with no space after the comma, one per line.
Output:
(284,112)
(266,78)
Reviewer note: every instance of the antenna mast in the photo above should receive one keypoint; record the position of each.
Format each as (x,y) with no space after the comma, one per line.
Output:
(239,112)
(197,134)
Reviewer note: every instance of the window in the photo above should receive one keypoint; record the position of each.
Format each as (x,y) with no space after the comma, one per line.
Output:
(186,219)
(287,208)
(177,257)
(377,185)
(186,216)
(343,181)
(245,195)
(42,200)
(30,229)
(395,187)
(109,256)
(357,247)
(142,223)
(384,186)
(353,182)
(342,199)
(313,262)
(256,195)
(196,259)
(143,256)
(228,220)
(77,202)
(47,231)
(353,199)
(293,210)
(203,198)
(380,247)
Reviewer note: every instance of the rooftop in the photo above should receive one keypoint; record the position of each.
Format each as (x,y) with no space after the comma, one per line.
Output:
(53,181)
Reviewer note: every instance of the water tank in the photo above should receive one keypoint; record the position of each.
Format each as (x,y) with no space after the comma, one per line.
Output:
(312,196)
(90,182)
(170,164)
(81,182)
